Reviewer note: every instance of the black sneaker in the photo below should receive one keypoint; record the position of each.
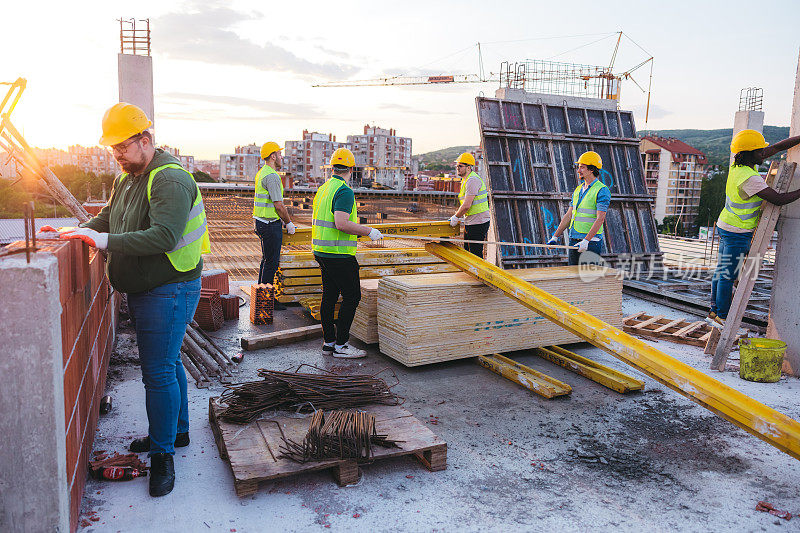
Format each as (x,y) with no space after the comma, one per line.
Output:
(142,444)
(327,350)
(162,474)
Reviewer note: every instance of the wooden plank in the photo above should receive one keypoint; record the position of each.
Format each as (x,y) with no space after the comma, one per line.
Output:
(604,375)
(251,450)
(531,379)
(647,322)
(669,325)
(749,271)
(632,317)
(286,336)
(690,328)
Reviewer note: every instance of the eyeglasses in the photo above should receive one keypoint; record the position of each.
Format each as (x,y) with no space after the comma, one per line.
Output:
(121,148)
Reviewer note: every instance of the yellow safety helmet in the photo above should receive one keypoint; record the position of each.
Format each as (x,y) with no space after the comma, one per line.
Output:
(344,157)
(747,140)
(590,158)
(466,159)
(269,148)
(121,122)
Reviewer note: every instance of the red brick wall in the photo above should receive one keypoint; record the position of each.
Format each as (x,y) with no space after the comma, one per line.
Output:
(88,325)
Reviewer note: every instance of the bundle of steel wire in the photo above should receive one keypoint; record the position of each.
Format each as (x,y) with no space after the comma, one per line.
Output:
(337,435)
(301,392)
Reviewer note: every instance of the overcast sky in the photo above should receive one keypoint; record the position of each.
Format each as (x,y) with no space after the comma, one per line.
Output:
(230,73)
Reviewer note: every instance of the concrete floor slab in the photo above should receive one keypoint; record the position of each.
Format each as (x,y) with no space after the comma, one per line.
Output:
(595,460)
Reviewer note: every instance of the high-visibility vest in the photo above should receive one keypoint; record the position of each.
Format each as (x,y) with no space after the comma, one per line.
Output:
(584,214)
(739,212)
(194,240)
(262,203)
(324,235)
(481,201)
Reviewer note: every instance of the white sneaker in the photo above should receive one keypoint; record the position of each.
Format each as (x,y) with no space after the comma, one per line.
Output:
(348,352)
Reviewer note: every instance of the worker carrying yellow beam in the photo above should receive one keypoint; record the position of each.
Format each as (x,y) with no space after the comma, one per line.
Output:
(334,231)
(268,212)
(474,208)
(154,228)
(745,192)
(586,212)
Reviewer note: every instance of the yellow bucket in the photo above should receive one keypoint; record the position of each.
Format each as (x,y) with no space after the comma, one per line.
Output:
(761,359)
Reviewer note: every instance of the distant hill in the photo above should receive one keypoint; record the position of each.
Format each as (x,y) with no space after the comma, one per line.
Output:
(716,143)
(443,158)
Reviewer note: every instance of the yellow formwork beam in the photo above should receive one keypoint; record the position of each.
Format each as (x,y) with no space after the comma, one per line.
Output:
(604,375)
(753,416)
(533,380)
(418,229)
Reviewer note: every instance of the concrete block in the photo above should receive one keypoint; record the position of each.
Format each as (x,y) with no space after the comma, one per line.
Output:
(33,460)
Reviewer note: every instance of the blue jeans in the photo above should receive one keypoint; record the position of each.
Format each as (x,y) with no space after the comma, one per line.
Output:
(574,256)
(161,316)
(733,248)
(271,236)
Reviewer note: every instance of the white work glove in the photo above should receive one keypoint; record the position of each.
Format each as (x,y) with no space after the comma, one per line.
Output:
(89,236)
(51,229)
(553,240)
(455,221)
(291,228)
(375,234)
(583,245)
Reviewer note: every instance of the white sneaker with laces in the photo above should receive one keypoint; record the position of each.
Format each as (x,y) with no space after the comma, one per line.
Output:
(348,352)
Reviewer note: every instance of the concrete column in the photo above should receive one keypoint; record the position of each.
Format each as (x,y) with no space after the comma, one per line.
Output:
(136,82)
(747,120)
(784,311)
(33,469)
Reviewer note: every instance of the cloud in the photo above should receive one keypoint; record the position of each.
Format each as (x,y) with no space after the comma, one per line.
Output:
(414,110)
(204,33)
(265,109)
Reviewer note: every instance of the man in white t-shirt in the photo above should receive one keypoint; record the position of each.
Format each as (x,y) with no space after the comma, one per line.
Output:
(745,192)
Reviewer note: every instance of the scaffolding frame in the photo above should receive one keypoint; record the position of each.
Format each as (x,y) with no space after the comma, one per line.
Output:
(133,40)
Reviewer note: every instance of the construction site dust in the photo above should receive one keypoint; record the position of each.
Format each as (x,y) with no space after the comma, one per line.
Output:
(323,335)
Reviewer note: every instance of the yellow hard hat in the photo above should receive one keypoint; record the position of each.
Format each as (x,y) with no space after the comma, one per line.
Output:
(344,157)
(121,122)
(747,140)
(466,159)
(269,148)
(591,158)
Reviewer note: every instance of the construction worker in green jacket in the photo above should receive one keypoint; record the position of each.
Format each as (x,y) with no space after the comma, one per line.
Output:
(586,213)
(334,232)
(473,210)
(154,229)
(268,213)
(745,193)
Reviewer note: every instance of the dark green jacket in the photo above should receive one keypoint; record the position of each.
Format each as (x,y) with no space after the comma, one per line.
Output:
(140,232)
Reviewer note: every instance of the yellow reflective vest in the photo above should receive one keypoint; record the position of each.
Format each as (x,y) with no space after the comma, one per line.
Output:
(584,213)
(481,201)
(739,212)
(195,240)
(262,203)
(324,235)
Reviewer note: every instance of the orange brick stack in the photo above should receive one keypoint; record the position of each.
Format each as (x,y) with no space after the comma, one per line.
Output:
(209,314)
(215,279)
(230,306)
(262,303)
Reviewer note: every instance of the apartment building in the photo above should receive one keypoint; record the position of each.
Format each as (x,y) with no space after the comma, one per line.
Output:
(305,159)
(96,159)
(674,172)
(242,165)
(383,157)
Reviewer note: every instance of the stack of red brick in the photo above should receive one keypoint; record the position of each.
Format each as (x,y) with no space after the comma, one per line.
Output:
(88,325)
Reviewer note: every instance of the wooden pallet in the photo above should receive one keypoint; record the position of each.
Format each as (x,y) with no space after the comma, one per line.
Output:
(252,450)
(679,330)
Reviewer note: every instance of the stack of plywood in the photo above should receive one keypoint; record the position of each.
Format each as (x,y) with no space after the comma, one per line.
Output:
(429,318)
(365,323)
(299,277)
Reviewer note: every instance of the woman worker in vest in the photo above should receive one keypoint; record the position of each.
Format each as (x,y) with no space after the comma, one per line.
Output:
(745,192)
(587,211)
(334,231)
(474,208)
